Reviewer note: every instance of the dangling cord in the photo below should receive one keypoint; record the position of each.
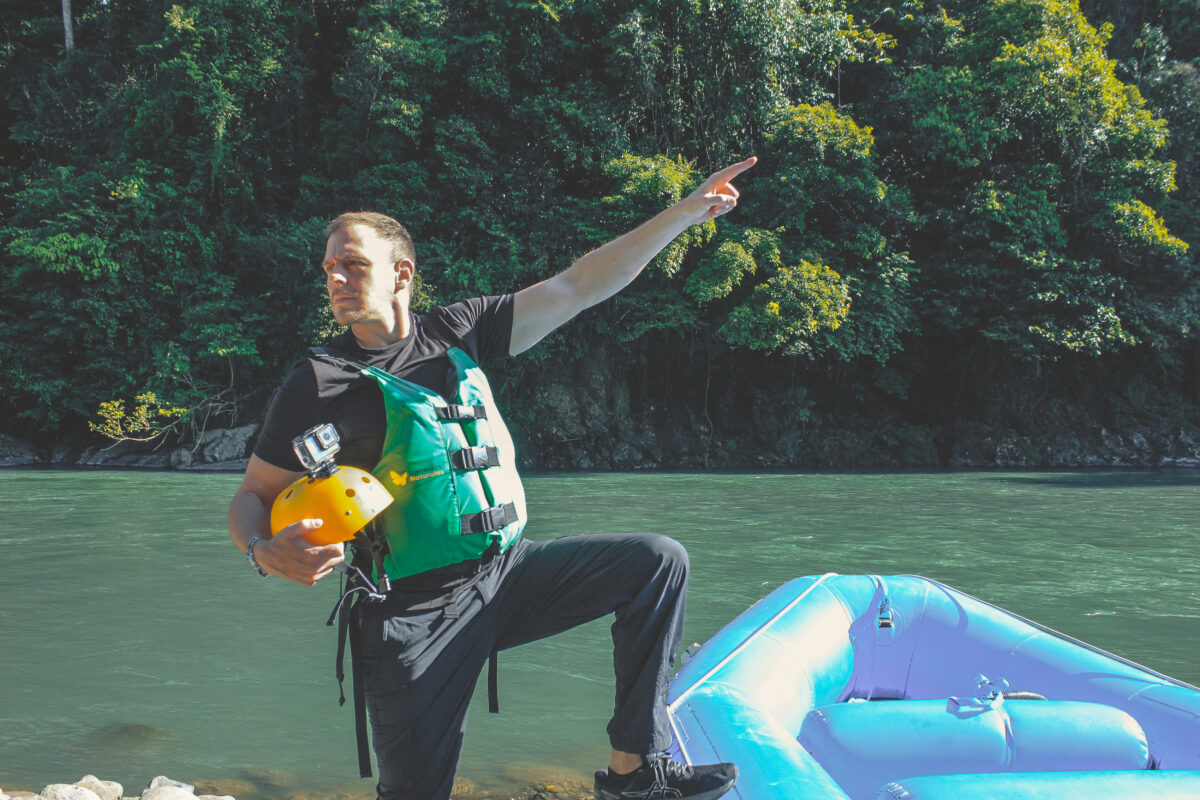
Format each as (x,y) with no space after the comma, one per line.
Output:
(365,586)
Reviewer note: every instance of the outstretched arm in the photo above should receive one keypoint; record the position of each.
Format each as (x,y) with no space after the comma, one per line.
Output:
(607,270)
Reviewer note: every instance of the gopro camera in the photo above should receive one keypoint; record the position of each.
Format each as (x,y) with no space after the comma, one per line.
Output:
(316,448)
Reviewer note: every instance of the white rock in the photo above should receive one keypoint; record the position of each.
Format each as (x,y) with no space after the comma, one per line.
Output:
(3,796)
(215,797)
(163,788)
(168,793)
(163,780)
(65,791)
(105,790)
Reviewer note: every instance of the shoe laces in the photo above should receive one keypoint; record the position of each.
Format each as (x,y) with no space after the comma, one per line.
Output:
(665,769)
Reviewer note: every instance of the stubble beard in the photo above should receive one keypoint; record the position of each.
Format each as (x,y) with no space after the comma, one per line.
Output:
(354,317)
(358,313)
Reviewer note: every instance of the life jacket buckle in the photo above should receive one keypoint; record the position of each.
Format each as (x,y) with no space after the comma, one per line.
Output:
(474,458)
(490,519)
(459,413)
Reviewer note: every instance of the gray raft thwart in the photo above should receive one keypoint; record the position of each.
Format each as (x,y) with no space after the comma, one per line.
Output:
(849,687)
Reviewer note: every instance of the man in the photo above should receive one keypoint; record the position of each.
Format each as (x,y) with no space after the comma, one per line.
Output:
(395,385)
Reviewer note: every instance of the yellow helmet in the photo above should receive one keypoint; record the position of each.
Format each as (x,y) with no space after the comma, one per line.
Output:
(346,498)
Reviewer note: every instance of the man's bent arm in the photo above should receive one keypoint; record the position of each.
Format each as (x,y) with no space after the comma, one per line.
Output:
(287,554)
(607,270)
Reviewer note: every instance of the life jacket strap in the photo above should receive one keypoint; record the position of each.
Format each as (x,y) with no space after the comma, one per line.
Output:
(480,457)
(348,623)
(454,413)
(490,519)
(494,683)
(360,694)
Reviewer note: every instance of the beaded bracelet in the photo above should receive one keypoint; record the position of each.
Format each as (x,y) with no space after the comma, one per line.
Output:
(250,556)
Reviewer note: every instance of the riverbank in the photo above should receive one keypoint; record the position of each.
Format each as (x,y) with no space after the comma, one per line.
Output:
(961,446)
(90,787)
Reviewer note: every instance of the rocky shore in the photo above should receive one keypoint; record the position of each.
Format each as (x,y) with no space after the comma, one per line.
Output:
(219,449)
(89,787)
(559,446)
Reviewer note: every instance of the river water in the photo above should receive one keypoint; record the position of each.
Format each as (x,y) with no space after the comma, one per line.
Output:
(136,641)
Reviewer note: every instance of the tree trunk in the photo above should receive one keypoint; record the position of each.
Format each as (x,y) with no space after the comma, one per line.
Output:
(68,26)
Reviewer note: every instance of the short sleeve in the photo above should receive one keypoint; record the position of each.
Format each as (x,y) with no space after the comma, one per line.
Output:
(483,325)
(290,414)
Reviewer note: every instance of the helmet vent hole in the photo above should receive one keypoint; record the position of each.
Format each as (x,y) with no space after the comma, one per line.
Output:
(349,493)
(365,479)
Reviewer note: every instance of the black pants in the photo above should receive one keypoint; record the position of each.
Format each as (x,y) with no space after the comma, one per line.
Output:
(422,655)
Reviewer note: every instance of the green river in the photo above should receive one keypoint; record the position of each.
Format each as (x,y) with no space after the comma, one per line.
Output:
(137,642)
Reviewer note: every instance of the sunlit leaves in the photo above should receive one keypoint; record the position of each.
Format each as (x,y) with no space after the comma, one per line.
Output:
(722,270)
(1036,170)
(646,185)
(1141,224)
(784,312)
(145,420)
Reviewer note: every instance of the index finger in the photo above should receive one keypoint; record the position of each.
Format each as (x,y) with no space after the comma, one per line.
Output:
(724,176)
(299,528)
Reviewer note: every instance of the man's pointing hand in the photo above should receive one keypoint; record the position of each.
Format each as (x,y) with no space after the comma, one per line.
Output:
(716,195)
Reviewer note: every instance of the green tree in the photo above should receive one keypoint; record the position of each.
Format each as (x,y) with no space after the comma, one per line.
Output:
(1035,172)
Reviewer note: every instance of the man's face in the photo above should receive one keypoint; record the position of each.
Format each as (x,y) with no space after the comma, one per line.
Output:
(360,276)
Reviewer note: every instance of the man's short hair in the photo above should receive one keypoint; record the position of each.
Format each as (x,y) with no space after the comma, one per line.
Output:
(385,228)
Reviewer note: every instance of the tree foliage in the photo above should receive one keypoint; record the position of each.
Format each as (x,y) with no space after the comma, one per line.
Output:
(986,173)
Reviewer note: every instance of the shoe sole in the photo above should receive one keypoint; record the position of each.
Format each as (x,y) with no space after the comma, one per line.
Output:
(712,794)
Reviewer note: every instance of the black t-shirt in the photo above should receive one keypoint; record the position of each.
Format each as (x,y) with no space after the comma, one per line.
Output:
(316,393)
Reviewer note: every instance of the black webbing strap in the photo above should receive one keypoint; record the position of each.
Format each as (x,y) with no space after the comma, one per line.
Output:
(456,413)
(494,683)
(347,619)
(490,519)
(343,623)
(474,457)
(360,697)
(348,627)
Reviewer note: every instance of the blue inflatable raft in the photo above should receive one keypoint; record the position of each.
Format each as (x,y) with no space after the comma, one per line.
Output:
(859,687)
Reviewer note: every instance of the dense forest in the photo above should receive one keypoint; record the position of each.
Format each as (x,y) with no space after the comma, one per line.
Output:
(966,240)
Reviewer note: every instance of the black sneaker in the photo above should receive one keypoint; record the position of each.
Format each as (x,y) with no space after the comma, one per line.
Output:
(662,777)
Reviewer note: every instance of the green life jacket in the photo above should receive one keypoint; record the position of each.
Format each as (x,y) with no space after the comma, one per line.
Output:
(451,468)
